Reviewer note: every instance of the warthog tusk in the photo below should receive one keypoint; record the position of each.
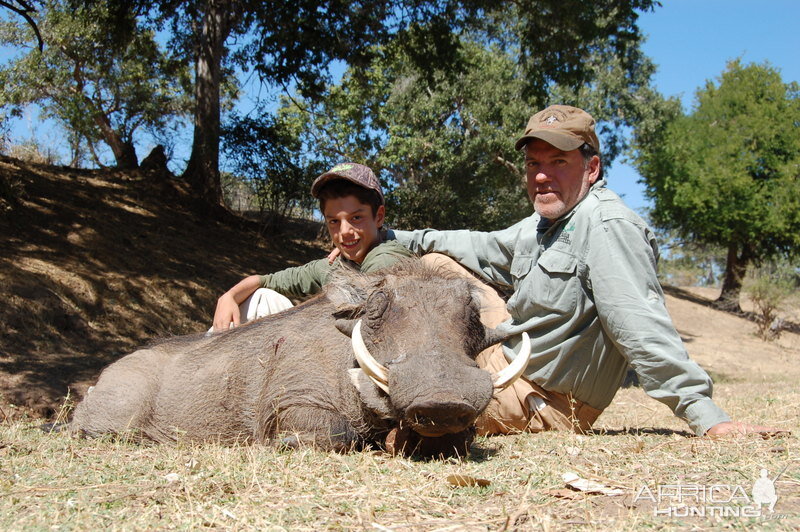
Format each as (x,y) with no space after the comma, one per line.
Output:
(507,376)
(374,369)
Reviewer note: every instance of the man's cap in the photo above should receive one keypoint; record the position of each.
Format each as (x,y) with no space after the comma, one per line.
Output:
(563,126)
(357,173)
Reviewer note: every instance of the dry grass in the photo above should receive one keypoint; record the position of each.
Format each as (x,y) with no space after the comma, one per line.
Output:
(51,481)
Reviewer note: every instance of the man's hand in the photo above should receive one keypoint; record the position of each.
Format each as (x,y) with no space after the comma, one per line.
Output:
(737,428)
(332,255)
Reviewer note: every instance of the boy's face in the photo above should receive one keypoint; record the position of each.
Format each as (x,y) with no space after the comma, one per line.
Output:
(353,228)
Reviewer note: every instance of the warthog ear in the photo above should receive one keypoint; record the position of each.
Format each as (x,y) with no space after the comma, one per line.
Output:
(372,397)
(345,326)
(348,300)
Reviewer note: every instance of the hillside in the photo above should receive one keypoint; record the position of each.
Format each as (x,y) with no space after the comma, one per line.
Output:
(94,263)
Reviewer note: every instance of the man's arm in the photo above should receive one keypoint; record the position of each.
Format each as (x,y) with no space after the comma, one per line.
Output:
(487,254)
(631,306)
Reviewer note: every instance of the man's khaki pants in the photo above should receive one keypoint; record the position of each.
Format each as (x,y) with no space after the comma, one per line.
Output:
(524,406)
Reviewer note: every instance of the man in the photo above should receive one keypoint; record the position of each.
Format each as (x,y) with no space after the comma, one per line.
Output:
(580,276)
(351,200)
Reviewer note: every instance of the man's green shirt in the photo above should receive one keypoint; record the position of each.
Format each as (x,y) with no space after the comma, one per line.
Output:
(585,289)
(309,278)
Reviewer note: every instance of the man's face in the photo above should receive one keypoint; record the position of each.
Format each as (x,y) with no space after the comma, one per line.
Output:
(557,180)
(353,228)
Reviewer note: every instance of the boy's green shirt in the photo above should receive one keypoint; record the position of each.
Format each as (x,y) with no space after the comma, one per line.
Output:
(308,279)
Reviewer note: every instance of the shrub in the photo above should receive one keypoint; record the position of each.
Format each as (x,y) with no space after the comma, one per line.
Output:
(769,289)
(31,151)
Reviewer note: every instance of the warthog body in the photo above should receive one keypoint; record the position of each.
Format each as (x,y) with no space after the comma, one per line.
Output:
(293,377)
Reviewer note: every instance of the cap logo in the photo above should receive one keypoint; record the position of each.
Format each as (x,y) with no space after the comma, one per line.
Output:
(341,167)
(550,119)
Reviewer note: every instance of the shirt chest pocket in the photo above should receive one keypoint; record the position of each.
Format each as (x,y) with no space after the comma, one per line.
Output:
(549,284)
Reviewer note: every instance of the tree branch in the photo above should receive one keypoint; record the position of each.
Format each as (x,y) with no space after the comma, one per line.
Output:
(24,10)
(509,165)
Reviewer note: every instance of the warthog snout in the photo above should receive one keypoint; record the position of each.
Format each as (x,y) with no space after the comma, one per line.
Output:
(435,418)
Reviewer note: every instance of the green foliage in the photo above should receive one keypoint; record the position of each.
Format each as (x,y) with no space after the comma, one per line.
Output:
(100,88)
(557,38)
(292,45)
(264,153)
(443,140)
(729,171)
(727,174)
(288,44)
(25,9)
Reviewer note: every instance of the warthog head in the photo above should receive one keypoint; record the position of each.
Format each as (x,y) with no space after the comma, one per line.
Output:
(416,348)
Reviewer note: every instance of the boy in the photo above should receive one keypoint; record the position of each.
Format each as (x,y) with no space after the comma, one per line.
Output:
(351,201)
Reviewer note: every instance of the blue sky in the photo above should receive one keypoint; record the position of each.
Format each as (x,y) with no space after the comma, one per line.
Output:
(691,41)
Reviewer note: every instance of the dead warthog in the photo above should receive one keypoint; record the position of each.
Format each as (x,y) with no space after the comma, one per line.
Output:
(296,378)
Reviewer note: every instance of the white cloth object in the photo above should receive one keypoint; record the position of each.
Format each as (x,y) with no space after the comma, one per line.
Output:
(262,302)
(535,403)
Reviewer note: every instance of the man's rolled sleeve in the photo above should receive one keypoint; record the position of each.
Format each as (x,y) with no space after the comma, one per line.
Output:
(704,414)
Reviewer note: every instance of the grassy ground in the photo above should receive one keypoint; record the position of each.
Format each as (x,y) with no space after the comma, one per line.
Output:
(59,483)
(92,265)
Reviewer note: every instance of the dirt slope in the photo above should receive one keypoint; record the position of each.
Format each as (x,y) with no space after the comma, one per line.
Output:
(94,263)
(726,345)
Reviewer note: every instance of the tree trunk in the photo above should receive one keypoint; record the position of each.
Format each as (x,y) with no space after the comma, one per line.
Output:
(123,150)
(93,152)
(735,269)
(202,172)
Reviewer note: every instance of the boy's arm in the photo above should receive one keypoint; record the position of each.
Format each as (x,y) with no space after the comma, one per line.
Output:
(296,282)
(299,281)
(227,310)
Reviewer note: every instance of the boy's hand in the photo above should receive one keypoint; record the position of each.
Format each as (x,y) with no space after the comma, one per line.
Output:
(227,313)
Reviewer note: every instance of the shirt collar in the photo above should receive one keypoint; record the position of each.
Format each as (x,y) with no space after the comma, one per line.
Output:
(382,236)
(545,224)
